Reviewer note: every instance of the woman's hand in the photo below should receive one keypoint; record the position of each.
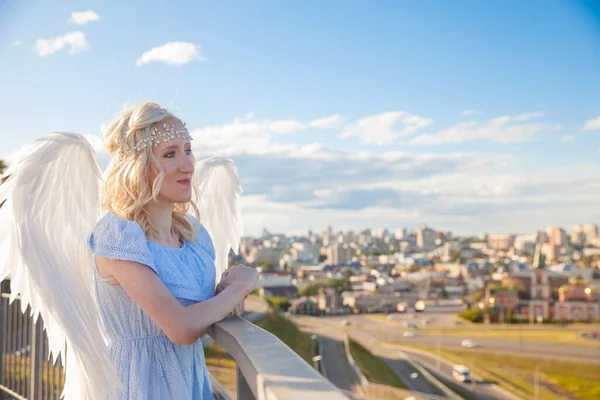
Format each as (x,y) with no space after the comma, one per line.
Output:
(243,275)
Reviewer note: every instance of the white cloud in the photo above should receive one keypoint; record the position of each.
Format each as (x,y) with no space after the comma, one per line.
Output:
(291,187)
(83,17)
(16,43)
(469,112)
(505,129)
(75,41)
(381,129)
(567,138)
(592,125)
(528,116)
(331,122)
(172,53)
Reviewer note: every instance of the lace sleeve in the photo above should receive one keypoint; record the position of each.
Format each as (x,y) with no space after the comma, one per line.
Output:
(121,239)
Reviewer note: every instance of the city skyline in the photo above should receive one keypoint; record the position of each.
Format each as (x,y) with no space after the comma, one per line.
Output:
(479,119)
(392,231)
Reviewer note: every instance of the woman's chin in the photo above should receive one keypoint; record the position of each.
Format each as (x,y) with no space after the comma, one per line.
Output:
(184,199)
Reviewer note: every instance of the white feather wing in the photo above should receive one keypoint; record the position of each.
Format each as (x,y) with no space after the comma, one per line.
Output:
(51,206)
(220,193)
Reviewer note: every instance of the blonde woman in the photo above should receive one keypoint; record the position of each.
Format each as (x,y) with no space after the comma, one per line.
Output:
(149,294)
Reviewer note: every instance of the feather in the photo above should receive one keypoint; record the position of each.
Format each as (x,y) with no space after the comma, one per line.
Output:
(51,209)
(220,193)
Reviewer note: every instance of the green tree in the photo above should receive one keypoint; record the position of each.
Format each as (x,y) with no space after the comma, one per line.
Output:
(586,261)
(455,255)
(266,265)
(473,315)
(278,303)
(414,268)
(311,289)
(444,292)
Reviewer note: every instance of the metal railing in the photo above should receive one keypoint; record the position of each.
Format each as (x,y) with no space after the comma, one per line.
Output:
(25,371)
(267,369)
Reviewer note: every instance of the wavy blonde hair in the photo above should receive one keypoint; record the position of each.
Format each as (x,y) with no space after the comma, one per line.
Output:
(127,187)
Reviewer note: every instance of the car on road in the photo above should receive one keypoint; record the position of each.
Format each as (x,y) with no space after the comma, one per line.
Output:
(409,334)
(345,322)
(409,325)
(469,343)
(461,373)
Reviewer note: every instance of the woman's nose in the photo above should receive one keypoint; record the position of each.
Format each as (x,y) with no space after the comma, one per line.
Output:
(187,165)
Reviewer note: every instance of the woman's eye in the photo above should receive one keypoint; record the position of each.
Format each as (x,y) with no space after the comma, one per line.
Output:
(170,154)
(188,151)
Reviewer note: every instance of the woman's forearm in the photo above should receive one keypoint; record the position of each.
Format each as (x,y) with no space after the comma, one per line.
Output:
(201,316)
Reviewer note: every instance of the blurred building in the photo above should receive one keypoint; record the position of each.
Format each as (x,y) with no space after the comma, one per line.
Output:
(425,238)
(500,242)
(339,254)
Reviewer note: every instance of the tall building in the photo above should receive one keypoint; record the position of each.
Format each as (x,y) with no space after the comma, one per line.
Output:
(339,254)
(557,236)
(525,244)
(400,234)
(425,237)
(590,231)
(500,242)
(577,235)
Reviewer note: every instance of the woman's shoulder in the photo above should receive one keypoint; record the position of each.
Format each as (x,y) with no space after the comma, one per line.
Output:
(119,238)
(117,231)
(111,222)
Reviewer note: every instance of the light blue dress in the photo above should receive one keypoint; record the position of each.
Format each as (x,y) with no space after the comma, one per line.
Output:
(150,365)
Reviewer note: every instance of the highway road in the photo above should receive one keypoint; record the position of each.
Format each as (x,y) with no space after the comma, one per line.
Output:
(325,328)
(336,368)
(334,364)
(393,333)
(481,390)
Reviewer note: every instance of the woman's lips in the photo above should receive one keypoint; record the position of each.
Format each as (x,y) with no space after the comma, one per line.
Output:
(184,182)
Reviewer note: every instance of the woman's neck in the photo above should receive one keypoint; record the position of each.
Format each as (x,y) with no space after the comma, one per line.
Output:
(161,215)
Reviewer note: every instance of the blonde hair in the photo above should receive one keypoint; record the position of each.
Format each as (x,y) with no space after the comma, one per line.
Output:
(127,187)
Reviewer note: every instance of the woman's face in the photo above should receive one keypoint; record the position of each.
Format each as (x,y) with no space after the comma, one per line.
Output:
(177,161)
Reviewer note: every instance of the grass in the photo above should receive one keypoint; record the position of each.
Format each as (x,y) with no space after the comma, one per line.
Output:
(18,370)
(540,333)
(288,333)
(226,377)
(516,373)
(552,335)
(273,322)
(217,356)
(373,367)
(464,393)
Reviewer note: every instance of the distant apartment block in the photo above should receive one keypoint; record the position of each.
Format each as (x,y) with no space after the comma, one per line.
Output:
(340,254)
(500,242)
(426,238)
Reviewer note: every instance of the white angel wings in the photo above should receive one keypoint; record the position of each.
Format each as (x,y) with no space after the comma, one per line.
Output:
(51,208)
(220,190)
(51,204)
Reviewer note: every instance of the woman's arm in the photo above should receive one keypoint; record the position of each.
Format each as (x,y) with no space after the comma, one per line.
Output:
(183,325)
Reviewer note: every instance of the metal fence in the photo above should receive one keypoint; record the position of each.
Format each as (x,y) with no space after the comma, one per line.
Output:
(25,370)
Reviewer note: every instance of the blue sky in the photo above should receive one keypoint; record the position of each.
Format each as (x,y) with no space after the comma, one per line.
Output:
(465,115)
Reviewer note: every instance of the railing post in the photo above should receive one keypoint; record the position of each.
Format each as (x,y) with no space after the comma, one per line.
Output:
(243,389)
(35,376)
(2,338)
